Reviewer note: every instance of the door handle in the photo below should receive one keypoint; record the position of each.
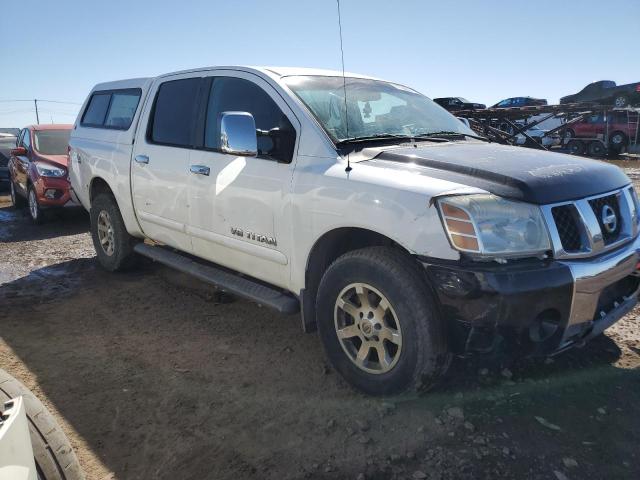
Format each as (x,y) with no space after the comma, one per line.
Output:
(200,170)
(141,159)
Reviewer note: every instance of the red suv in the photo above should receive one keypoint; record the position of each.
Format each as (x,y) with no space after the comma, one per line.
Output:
(620,126)
(38,169)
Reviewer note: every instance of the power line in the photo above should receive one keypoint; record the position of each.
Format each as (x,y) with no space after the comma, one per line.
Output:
(39,100)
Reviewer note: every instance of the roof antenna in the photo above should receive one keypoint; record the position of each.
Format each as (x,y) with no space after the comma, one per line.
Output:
(344,85)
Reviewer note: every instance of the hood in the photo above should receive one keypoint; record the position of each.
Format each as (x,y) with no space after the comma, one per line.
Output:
(524,174)
(58,160)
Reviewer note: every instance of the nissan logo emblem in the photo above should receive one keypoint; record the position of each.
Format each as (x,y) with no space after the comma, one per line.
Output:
(609,219)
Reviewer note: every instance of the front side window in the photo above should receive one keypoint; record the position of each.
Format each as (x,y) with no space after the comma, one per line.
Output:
(26,139)
(174,113)
(373,108)
(276,135)
(51,142)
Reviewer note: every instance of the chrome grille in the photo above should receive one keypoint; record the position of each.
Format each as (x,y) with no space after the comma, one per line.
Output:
(566,220)
(597,205)
(578,228)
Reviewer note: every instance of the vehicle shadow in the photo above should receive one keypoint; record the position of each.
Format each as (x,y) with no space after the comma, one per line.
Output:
(154,377)
(17,226)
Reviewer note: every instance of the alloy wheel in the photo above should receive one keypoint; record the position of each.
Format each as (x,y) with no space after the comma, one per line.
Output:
(367,328)
(33,205)
(620,102)
(105,233)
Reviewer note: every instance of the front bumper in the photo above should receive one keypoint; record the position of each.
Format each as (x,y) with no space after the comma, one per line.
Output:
(535,307)
(59,188)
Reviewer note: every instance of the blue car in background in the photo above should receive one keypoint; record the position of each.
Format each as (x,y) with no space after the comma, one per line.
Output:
(520,102)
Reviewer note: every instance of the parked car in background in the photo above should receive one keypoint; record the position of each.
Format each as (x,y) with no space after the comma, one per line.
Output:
(520,102)
(606,92)
(458,103)
(538,136)
(7,142)
(38,169)
(616,127)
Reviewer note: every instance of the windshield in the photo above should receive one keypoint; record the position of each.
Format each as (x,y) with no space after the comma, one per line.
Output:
(52,142)
(375,108)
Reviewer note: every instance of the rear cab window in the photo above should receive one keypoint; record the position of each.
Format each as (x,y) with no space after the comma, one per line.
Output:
(111,109)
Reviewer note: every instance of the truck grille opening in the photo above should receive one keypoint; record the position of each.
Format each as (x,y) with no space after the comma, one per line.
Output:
(566,218)
(597,205)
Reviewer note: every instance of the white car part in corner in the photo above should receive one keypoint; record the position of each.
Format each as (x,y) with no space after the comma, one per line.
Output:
(16,454)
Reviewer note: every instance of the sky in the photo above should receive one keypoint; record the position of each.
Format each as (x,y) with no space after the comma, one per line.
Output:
(482,50)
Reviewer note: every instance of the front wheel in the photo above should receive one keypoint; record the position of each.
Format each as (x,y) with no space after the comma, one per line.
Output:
(35,212)
(380,324)
(113,244)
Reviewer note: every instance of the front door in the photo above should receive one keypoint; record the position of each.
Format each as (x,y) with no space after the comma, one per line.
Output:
(160,165)
(240,205)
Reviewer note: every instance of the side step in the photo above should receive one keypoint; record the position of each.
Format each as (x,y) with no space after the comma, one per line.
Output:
(223,279)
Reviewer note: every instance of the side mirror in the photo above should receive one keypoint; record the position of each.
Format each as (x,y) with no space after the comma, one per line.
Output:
(238,134)
(19,151)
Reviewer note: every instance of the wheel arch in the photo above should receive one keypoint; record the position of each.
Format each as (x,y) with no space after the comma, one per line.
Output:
(325,251)
(98,185)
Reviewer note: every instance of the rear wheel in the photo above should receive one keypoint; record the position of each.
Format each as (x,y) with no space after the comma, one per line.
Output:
(16,200)
(597,149)
(618,141)
(35,212)
(620,101)
(113,244)
(575,147)
(54,456)
(379,323)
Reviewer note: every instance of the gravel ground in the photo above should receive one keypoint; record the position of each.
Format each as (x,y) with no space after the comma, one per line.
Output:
(154,375)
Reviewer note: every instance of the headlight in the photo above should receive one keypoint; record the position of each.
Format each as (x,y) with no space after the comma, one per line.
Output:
(48,170)
(490,225)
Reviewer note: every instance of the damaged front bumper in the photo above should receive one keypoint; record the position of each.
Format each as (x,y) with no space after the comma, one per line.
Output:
(533,306)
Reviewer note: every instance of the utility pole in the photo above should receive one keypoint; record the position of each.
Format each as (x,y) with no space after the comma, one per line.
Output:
(35,102)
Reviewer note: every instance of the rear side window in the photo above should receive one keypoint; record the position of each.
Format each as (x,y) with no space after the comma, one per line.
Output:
(174,113)
(97,109)
(112,109)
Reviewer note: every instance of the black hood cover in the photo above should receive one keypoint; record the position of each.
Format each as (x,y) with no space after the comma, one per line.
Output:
(525,174)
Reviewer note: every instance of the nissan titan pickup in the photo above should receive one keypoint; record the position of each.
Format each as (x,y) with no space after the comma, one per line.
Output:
(394,231)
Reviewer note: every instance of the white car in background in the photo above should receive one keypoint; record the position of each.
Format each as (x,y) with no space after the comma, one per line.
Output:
(32,444)
(538,135)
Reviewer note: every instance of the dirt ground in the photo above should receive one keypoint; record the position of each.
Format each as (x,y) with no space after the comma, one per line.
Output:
(154,376)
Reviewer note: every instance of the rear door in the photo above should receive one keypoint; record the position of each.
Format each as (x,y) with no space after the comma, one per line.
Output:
(160,166)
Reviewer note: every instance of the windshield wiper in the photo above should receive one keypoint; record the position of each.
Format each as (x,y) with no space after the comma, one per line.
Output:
(389,136)
(453,134)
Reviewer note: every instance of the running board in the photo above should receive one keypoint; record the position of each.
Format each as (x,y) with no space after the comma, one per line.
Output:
(223,279)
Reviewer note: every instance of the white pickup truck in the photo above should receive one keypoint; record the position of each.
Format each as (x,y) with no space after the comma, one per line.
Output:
(396,232)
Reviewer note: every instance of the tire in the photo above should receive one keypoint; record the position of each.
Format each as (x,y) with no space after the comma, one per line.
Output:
(618,141)
(17,201)
(54,456)
(569,134)
(417,358)
(113,244)
(35,212)
(596,149)
(620,101)
(576,147)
